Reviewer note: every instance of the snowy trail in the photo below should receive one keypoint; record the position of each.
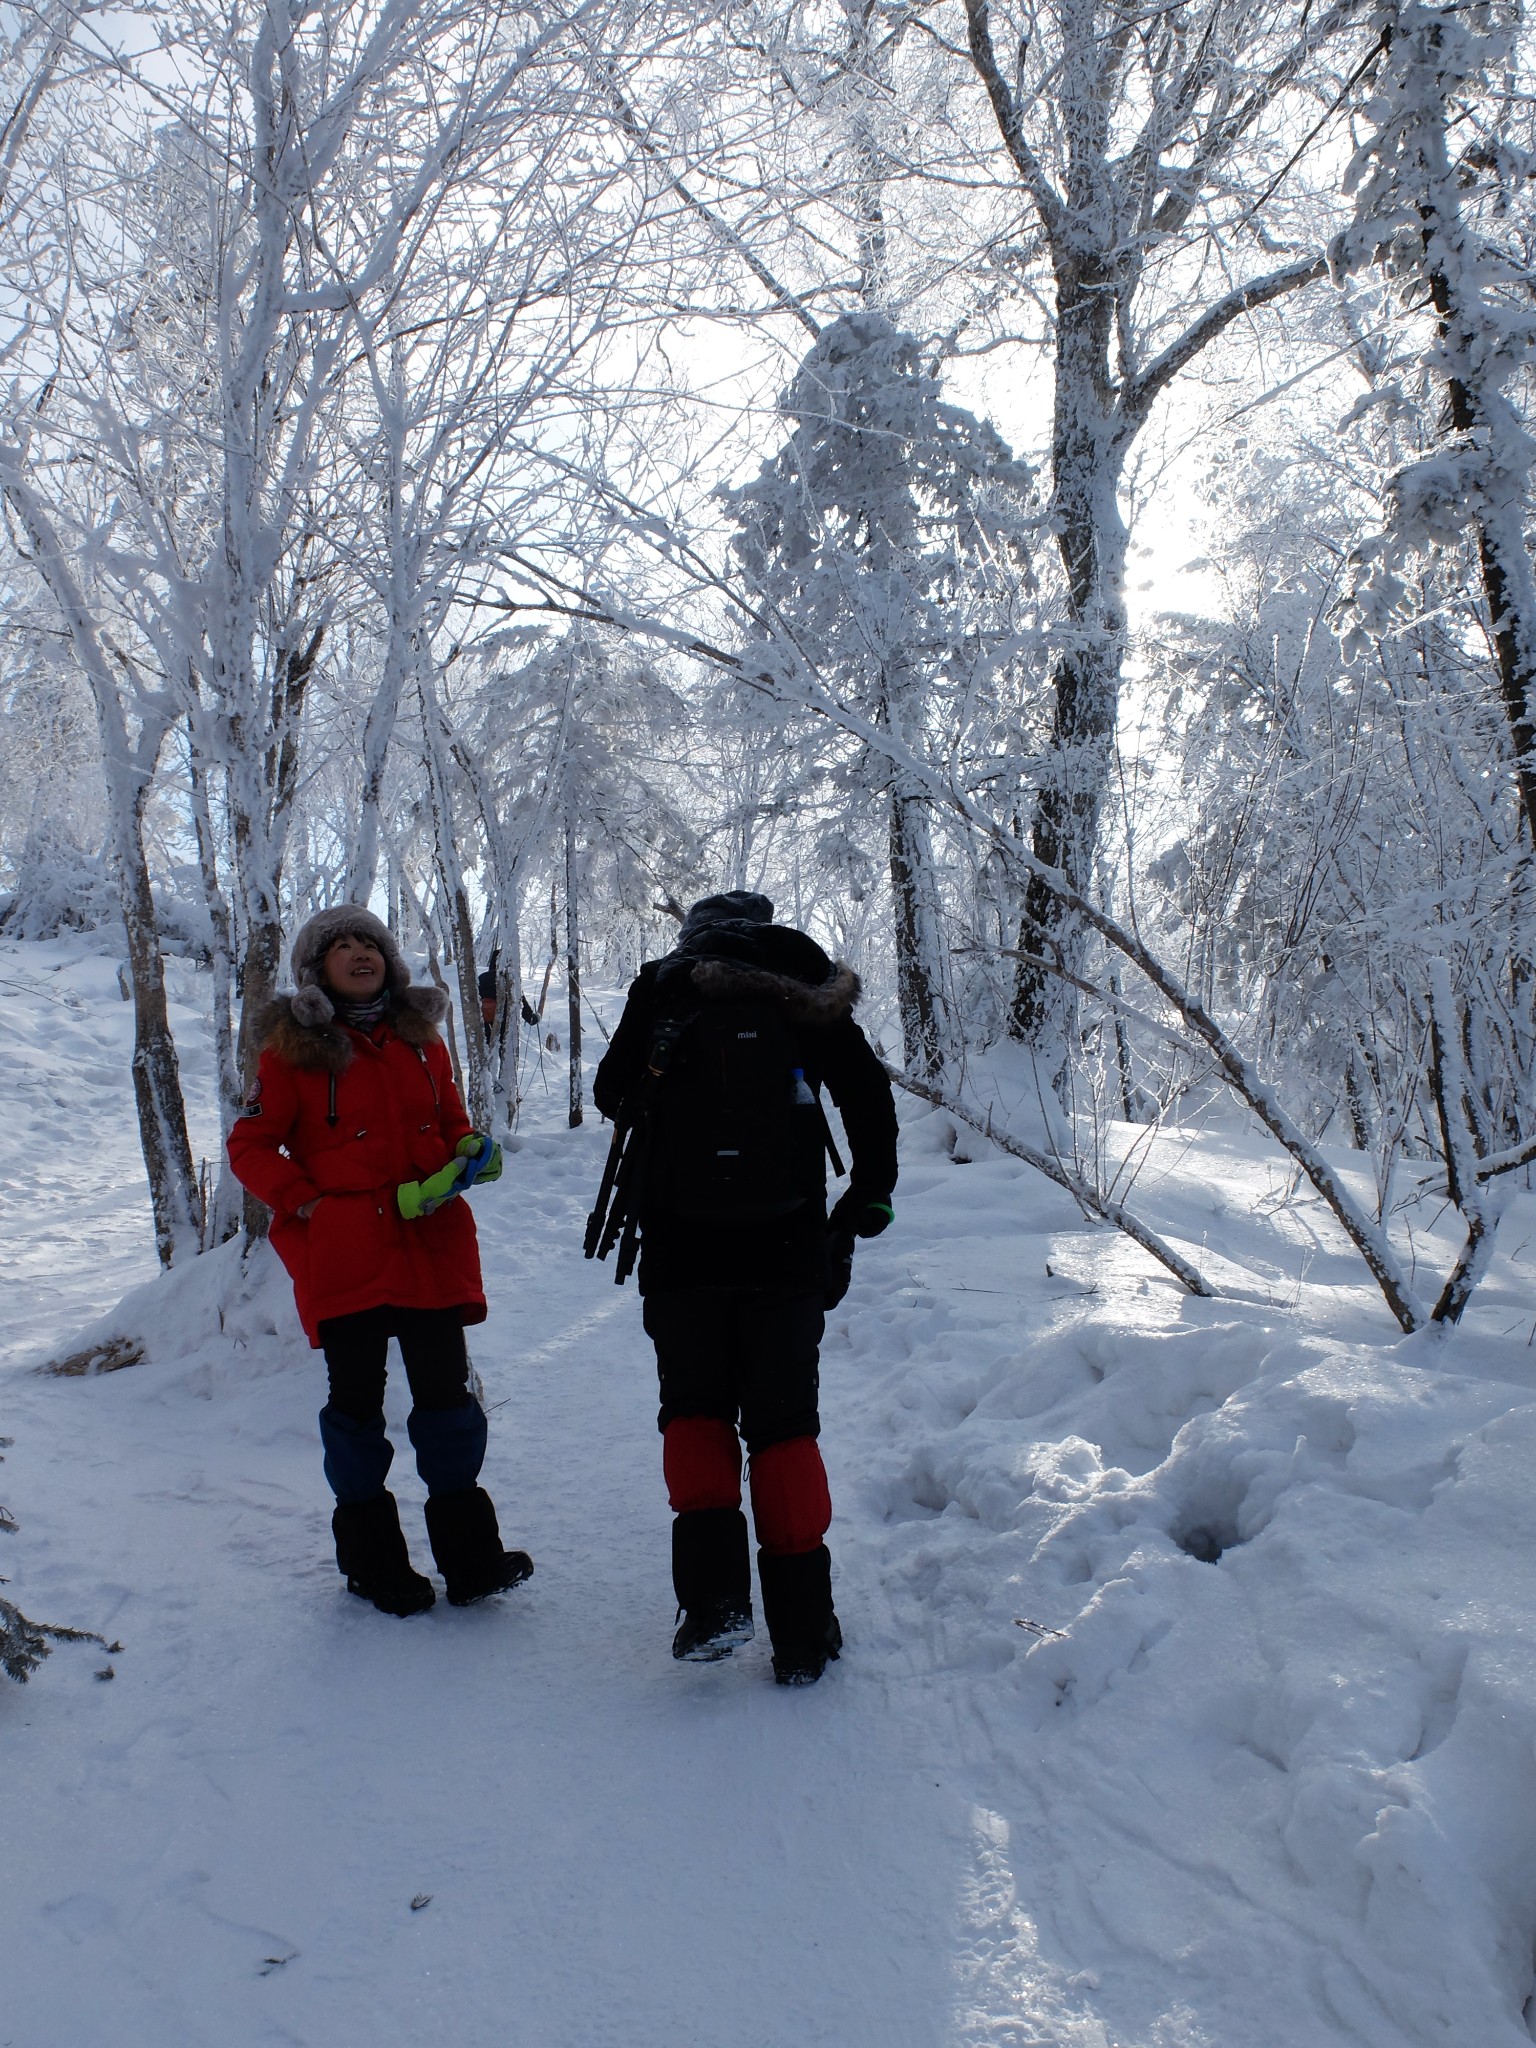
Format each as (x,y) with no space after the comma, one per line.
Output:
(615,1848)
(1260,1771)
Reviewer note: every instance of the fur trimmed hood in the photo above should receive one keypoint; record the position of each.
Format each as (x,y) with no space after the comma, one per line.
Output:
(302,1028)
(738,957)
(826,1002)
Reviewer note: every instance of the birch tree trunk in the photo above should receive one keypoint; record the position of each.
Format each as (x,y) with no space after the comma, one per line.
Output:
(911,861)
(262,781)
(228,1199)
(454,897)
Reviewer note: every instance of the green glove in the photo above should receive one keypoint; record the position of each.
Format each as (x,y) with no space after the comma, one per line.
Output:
(420,1197)
(479,1145)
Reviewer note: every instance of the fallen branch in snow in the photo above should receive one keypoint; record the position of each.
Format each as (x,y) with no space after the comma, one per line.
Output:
(1087,1197)
(24,1644)
(108,1354)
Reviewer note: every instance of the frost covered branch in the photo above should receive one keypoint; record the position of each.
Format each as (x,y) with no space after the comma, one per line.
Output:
(795,680)
(1091,1200)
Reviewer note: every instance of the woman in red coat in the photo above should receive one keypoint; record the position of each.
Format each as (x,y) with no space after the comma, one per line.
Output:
(354,1136)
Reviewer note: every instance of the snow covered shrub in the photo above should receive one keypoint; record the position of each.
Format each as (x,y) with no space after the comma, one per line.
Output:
(1345,828)
(1348,880)
(57,885)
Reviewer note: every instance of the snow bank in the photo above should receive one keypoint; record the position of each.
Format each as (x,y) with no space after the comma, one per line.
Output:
(230,1311)
(1245,1614)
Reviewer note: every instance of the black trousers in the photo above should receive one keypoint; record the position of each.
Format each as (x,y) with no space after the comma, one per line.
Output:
(431,1344)
(446,1424)
(749,1355)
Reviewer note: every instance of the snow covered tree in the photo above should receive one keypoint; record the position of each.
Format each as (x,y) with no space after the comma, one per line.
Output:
(887,541)
(1151,154)
(1438,190)
(290,359)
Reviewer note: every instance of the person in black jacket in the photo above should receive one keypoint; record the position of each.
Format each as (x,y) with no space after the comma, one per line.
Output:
(486,984)
(735,1304)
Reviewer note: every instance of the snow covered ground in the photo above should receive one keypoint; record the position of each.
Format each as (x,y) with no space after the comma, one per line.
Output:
(1189,1694)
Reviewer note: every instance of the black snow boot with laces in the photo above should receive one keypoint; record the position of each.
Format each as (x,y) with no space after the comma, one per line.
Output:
(371,1554)
(466,1542)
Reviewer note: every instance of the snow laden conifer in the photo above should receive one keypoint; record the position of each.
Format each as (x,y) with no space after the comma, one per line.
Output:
(1435,186)
(888,543)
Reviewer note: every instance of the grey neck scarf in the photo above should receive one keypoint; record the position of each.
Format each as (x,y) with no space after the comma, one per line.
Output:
(362,1016)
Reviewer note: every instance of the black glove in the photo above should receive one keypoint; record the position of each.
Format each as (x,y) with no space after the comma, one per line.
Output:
(856,1214)
(839,1277)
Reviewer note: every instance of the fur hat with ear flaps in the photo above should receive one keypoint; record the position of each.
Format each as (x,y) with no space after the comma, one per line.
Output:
(312,1005)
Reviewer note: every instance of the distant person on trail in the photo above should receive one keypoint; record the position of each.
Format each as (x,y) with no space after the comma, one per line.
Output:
(719,1166)
(354,1136)
(486,985)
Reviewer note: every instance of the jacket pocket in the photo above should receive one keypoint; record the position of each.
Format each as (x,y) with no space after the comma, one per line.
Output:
(346,1239)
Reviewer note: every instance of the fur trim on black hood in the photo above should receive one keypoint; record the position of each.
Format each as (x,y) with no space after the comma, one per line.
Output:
(736,958)
(297,1032)
(725,981)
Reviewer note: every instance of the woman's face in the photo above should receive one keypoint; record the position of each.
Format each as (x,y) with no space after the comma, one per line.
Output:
(353,968)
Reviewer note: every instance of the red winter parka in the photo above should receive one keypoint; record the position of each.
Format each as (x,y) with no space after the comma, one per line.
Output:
(340,1118)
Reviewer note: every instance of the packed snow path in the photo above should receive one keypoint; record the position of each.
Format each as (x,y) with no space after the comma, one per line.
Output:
(614,1848)
(1281,1799)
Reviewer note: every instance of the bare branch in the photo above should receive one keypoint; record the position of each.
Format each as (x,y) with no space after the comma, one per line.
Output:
(1047,201)
(1087,1197)
(1138,395)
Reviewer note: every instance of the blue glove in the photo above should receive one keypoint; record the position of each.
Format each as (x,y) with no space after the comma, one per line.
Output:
(484,1158)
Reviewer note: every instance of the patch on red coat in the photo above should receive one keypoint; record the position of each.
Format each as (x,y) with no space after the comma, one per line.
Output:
(252,1100)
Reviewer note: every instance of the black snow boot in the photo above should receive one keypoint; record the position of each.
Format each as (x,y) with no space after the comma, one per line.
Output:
(712,1577)
(797,1606)
(467,1546)
(371,1553)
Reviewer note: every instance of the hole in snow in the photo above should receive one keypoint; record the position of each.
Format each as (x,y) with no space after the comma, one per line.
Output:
(1205,1541)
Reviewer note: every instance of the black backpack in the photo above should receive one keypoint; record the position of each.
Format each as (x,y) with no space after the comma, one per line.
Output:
(734,1129)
